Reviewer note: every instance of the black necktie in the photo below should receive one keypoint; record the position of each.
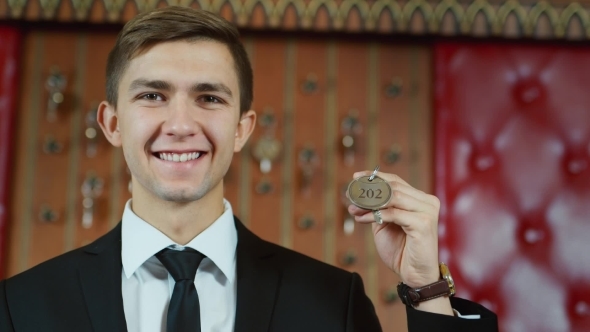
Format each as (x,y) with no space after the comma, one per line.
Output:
(184,310)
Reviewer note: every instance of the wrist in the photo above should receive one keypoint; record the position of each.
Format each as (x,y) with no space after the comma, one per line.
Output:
(420,282)
(440,305)
(442,288)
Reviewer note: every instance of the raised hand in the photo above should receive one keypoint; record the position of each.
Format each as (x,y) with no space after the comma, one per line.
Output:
(407,240)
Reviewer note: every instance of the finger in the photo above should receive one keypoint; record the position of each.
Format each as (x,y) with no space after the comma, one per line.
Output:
(356,211)
(385,176)
(396,216)
(397,183)
(417,194)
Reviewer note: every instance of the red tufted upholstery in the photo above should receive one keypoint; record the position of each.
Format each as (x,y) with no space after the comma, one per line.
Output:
(9,46)
(513,176)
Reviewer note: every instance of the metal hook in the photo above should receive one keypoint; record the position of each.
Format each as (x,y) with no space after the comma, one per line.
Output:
(374,173)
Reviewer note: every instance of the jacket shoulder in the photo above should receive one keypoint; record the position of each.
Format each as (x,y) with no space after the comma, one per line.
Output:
(285,259)
(61,268)
(313,286)
(51,270)
(293,260)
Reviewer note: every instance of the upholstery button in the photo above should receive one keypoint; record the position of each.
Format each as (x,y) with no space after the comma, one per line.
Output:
(532,235)
(529,95)
(483,162)
(582,309)
(535,237)
(529,91)
(577,166)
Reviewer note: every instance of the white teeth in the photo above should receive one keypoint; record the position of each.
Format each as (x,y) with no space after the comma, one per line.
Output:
(179,158)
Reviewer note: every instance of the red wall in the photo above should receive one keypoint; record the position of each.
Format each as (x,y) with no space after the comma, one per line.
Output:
(9,49)
(513,176)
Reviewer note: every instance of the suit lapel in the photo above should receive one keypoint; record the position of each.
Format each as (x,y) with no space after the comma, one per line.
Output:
(258,282)
(100,279)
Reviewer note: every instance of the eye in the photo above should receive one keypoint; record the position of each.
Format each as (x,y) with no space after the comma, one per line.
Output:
(151,96)
(211,99)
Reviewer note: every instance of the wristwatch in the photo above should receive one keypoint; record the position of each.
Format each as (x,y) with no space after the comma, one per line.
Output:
(413,296)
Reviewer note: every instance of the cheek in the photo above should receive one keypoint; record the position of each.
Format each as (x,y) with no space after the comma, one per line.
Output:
(224,141)
(222,132)
(136,131)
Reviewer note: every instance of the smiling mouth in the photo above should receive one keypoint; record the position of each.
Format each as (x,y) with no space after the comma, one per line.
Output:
(178,157)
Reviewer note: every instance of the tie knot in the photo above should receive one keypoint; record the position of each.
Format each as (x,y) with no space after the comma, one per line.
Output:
(182,265)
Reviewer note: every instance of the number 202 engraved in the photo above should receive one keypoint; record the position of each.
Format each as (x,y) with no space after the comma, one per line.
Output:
(370,193)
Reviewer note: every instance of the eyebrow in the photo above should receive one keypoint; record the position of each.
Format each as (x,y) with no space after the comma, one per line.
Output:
(165,86)
(152,84)
(211,87)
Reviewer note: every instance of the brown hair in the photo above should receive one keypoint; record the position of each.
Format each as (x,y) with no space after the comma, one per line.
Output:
(177,23)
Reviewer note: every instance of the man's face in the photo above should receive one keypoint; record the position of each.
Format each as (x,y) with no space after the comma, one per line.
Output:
(178,119)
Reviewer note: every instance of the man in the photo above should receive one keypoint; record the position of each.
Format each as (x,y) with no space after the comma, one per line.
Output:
(179,91)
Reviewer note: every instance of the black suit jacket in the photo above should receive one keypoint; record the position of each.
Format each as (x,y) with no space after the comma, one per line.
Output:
(278,290)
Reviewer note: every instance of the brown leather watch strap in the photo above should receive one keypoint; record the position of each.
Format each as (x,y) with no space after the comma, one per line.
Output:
(413,296)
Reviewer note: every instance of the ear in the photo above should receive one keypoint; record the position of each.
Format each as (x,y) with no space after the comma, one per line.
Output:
(108,120)
(244,129)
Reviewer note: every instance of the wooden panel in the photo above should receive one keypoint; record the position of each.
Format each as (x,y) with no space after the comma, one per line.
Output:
(311,112)
(351,123)
(50,189)
(265,212)
(91,87)
(53,181)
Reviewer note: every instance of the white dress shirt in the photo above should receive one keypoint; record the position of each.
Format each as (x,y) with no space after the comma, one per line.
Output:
(147,286)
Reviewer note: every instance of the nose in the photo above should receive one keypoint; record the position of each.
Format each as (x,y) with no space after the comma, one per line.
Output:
(180,120)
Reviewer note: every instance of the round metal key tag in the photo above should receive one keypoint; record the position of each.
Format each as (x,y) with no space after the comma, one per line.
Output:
(369,192)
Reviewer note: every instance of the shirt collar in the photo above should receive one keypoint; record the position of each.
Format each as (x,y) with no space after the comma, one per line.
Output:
(140,241)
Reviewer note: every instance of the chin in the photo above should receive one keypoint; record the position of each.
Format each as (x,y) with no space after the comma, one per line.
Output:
(184,195)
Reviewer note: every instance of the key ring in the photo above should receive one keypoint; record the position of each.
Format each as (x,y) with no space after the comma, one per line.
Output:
(374,173)
(377,216)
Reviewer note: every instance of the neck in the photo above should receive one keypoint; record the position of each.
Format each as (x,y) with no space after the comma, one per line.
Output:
(180,221)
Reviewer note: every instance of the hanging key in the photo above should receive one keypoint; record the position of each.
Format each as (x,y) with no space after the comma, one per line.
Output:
(266,150)
(348,224)
(308,163)
(55,85)
(351,129)
(91,189)
(91,133)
